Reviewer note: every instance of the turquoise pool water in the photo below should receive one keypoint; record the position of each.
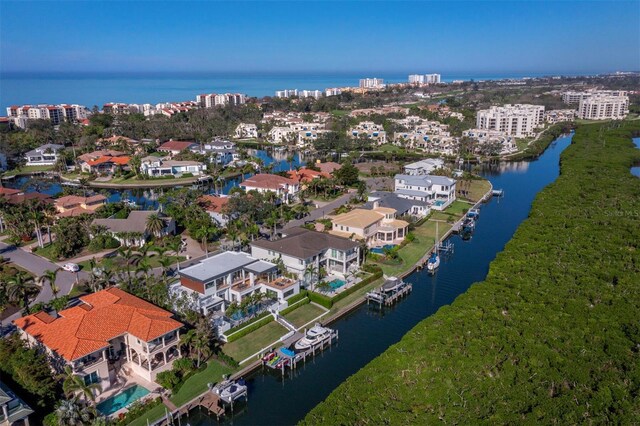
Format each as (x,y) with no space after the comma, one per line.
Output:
(438,203)
(336,284)
(121,400)
(380,250)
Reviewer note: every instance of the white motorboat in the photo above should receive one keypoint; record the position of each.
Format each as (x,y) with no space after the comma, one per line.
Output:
(314,336)
(392,284)
(433,262)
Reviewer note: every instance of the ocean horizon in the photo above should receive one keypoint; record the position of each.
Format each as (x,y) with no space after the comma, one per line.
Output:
(98,88)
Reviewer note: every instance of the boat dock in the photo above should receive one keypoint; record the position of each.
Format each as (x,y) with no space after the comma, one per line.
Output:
(287,357)
(497,192)
(390,292)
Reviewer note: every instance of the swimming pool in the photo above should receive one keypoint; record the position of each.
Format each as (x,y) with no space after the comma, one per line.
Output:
(438,203)
(380,250)
(121,400)
(336,284)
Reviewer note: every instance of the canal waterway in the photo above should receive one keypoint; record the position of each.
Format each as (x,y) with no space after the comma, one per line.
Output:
(636,170)
(147,198)
(366,332)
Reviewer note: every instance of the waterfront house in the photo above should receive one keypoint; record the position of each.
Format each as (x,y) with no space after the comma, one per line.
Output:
(176,147)
(328,167)
(304,252)
(375,227)
(132,231)
(280,135)
(214,205)
(157,166)
(214,283)
(13,410)
(423,167)
(285,189)
(437,191)
(402,206)
(104,161)
(45,155)
(73,205)
(304,175)
(220,151)
(108,336)
(246,130)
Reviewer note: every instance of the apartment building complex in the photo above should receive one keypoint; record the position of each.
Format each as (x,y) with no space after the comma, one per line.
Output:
(55,113)
(424,78)
(370,130)
(574,97)
(371,83)
(333,91)
(519,120)
(604,107)
(210,100)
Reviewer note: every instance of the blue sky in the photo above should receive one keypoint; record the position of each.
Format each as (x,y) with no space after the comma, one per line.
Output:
(503,36)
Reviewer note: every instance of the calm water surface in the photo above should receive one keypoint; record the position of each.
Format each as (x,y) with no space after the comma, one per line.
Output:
(366,333)
(636,170)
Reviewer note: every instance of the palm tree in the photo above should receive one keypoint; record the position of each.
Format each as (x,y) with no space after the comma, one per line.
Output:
(19,288)
(73,384)
(49,277)
(154,225)
(309,273)
(71,412)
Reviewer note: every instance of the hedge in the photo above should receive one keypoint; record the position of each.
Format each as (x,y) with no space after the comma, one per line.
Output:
(321,299)
(297,297)
(358,286)
(246,324)
(250,328)
(294,306)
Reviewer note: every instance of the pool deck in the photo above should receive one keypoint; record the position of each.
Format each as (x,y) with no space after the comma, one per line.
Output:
(131,380)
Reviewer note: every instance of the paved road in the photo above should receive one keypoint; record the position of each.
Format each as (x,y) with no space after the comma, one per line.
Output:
(320,212)
(37,265)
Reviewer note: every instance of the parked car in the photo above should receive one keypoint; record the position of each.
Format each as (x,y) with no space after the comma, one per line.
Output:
(71,267)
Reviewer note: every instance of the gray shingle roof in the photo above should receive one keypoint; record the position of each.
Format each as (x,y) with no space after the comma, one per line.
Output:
(303,243)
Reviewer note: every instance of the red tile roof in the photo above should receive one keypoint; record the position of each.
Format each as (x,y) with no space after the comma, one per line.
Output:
(267,181)
(87,328)
(9,191)
(306,175)
(212,203)
(176,145)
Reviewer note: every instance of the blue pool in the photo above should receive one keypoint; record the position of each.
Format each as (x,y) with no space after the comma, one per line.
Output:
(380,250)
(438,203)
(121,400)
(336,284)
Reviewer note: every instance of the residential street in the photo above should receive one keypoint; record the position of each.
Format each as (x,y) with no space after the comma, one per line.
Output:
(37,265)
(321,211)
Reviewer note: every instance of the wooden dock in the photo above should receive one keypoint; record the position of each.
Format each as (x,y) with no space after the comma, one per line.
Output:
(387,298)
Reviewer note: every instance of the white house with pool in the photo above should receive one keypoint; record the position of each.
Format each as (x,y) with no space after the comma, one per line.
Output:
(112,338)
(438,191)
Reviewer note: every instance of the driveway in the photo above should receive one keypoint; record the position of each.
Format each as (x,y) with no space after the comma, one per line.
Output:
(37,265)
(321,212)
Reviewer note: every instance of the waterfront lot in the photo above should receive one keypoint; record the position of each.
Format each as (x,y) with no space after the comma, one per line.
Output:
(254,341)
(304,314)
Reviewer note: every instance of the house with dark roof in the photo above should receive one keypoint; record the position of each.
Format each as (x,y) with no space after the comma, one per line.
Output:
(13,410)
(132,231)
(402,206)
(212,284)
(109,333)
(304,252)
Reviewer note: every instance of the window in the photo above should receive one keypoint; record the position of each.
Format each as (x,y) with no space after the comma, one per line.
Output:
(91,378)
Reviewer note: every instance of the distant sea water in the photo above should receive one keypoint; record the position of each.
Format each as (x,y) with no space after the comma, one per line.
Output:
(99,88)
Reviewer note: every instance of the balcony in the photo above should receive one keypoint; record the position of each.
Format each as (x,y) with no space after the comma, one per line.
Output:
(87,362)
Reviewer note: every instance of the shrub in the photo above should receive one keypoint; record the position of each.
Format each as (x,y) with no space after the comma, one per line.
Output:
(321,299)
(297,297)
(358,286)
(187,175)
(183,365)
(168,379)
(227,359)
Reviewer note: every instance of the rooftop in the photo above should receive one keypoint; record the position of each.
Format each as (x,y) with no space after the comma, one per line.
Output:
(176,145)
(267,181)
(212,203)
(88,327)
(303,243)
(358,218)
(222,264)
(135,222)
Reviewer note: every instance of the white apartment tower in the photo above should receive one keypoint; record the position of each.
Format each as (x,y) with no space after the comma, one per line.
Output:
(603,107)
(518,120)
(371,83)
(424,78)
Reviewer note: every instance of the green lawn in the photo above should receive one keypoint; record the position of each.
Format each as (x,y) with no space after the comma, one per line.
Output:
(46,251)
(477,189)
(413,251)
(358,294)
(457,208)
(197,384)
(339,112)
(28,169)
(304,314)
(253,342)
(152,415)
(389,148)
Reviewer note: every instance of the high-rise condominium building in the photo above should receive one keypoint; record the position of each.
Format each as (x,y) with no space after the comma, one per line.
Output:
(518,120)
